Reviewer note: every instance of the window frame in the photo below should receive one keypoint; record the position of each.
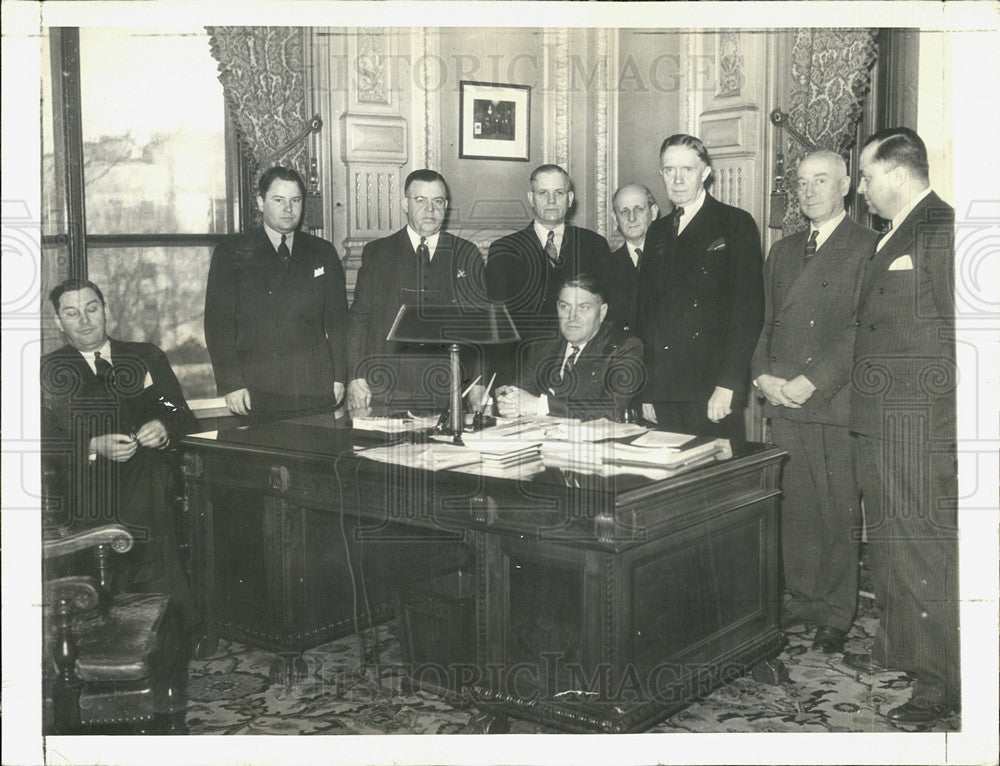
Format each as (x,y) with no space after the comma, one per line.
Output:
(67,130)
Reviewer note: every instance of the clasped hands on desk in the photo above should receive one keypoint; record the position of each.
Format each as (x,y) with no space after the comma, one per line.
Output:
(604,601)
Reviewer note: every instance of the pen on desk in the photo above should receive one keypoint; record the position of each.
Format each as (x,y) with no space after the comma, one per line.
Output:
(466,391)
(486,394)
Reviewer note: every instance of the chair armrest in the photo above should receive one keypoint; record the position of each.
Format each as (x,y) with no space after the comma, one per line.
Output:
(115,535)
(80,594)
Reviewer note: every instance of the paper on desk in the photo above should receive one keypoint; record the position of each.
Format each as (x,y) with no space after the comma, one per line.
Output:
(549,428)
(395,425)
(668,439)
(668,457)
(429,456)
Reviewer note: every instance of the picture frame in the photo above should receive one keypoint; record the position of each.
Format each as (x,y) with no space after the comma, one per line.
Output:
(494,121)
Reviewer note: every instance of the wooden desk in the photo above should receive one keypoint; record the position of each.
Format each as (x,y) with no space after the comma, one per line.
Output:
(602,603)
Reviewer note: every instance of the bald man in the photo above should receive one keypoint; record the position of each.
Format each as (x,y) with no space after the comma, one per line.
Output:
(809,283)
(635,209)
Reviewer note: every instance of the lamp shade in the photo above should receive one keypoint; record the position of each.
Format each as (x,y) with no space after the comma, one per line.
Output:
(423,322)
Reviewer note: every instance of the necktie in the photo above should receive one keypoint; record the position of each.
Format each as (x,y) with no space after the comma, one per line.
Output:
(570,361)
(675,224)
(551,251)
(883,233)
(424,253)
(283,252)
(811,244)
(102,367)
(638,256)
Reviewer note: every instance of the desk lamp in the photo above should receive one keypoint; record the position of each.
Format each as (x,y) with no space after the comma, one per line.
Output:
(453,325)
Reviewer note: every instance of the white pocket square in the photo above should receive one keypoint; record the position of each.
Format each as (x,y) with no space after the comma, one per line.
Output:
(318,272)
(903,263)
(148,381)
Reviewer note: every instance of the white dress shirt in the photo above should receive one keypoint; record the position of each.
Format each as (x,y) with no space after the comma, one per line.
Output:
(543,234)
(275,238)
(431,241)
(898,219)
(690,210)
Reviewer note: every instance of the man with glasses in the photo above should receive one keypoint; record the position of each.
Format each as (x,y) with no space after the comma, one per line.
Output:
(635,210)
(419,263)
(524,270)
(701,301)
(592,371)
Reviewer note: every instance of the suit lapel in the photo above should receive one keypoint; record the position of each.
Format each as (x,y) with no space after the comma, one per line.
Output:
(900,243)
(685,252)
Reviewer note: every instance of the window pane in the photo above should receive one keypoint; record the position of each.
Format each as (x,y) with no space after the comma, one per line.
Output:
(157,294)
(53,203)
(153,132)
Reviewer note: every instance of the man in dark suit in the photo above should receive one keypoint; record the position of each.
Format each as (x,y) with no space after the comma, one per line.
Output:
(419,263)
(635,209)
(276,311)
(110,410)
(592,371)
(903,413)
(524,270)
(701,300)
(809,282)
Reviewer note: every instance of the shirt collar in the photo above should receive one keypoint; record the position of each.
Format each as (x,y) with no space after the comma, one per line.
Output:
(632,248)
(569,349)
(691,209)
(431,241)
(543,234)
(826,229)
(105,352)
(275,237)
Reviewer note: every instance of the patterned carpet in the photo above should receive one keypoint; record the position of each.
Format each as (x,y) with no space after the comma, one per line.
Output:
(233,693)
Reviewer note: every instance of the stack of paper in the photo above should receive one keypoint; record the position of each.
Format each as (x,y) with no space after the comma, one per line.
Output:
(504,453)
(668,457)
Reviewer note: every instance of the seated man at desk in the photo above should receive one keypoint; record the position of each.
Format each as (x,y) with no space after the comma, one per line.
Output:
(110,410)
(592,371)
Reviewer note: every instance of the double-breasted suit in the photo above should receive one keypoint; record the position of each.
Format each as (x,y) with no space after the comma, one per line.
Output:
(808,312)
(521,276)
(391,273)
(903,411)
(621,277)
(77,406)
(602,382)
(700,308)
(279,331)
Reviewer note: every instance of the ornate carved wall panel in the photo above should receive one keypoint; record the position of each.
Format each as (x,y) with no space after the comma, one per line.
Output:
(374,149)
(557,73)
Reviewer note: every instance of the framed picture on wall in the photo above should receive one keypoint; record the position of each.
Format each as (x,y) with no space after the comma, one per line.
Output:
(494,121)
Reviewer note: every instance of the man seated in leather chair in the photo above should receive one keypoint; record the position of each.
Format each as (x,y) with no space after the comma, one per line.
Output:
(592,371)
(110,410)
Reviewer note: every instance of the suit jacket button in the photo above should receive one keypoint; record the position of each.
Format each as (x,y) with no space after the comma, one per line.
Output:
(812,323)
(626,328)
(809,360)
(881,290)
(666,348)
(824,283)
(777,322)
(695,335)
(778,283)
(695,304)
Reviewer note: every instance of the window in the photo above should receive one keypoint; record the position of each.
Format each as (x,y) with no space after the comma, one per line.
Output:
(139,165)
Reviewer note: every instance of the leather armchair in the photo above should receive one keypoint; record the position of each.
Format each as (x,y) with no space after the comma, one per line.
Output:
(114,663)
